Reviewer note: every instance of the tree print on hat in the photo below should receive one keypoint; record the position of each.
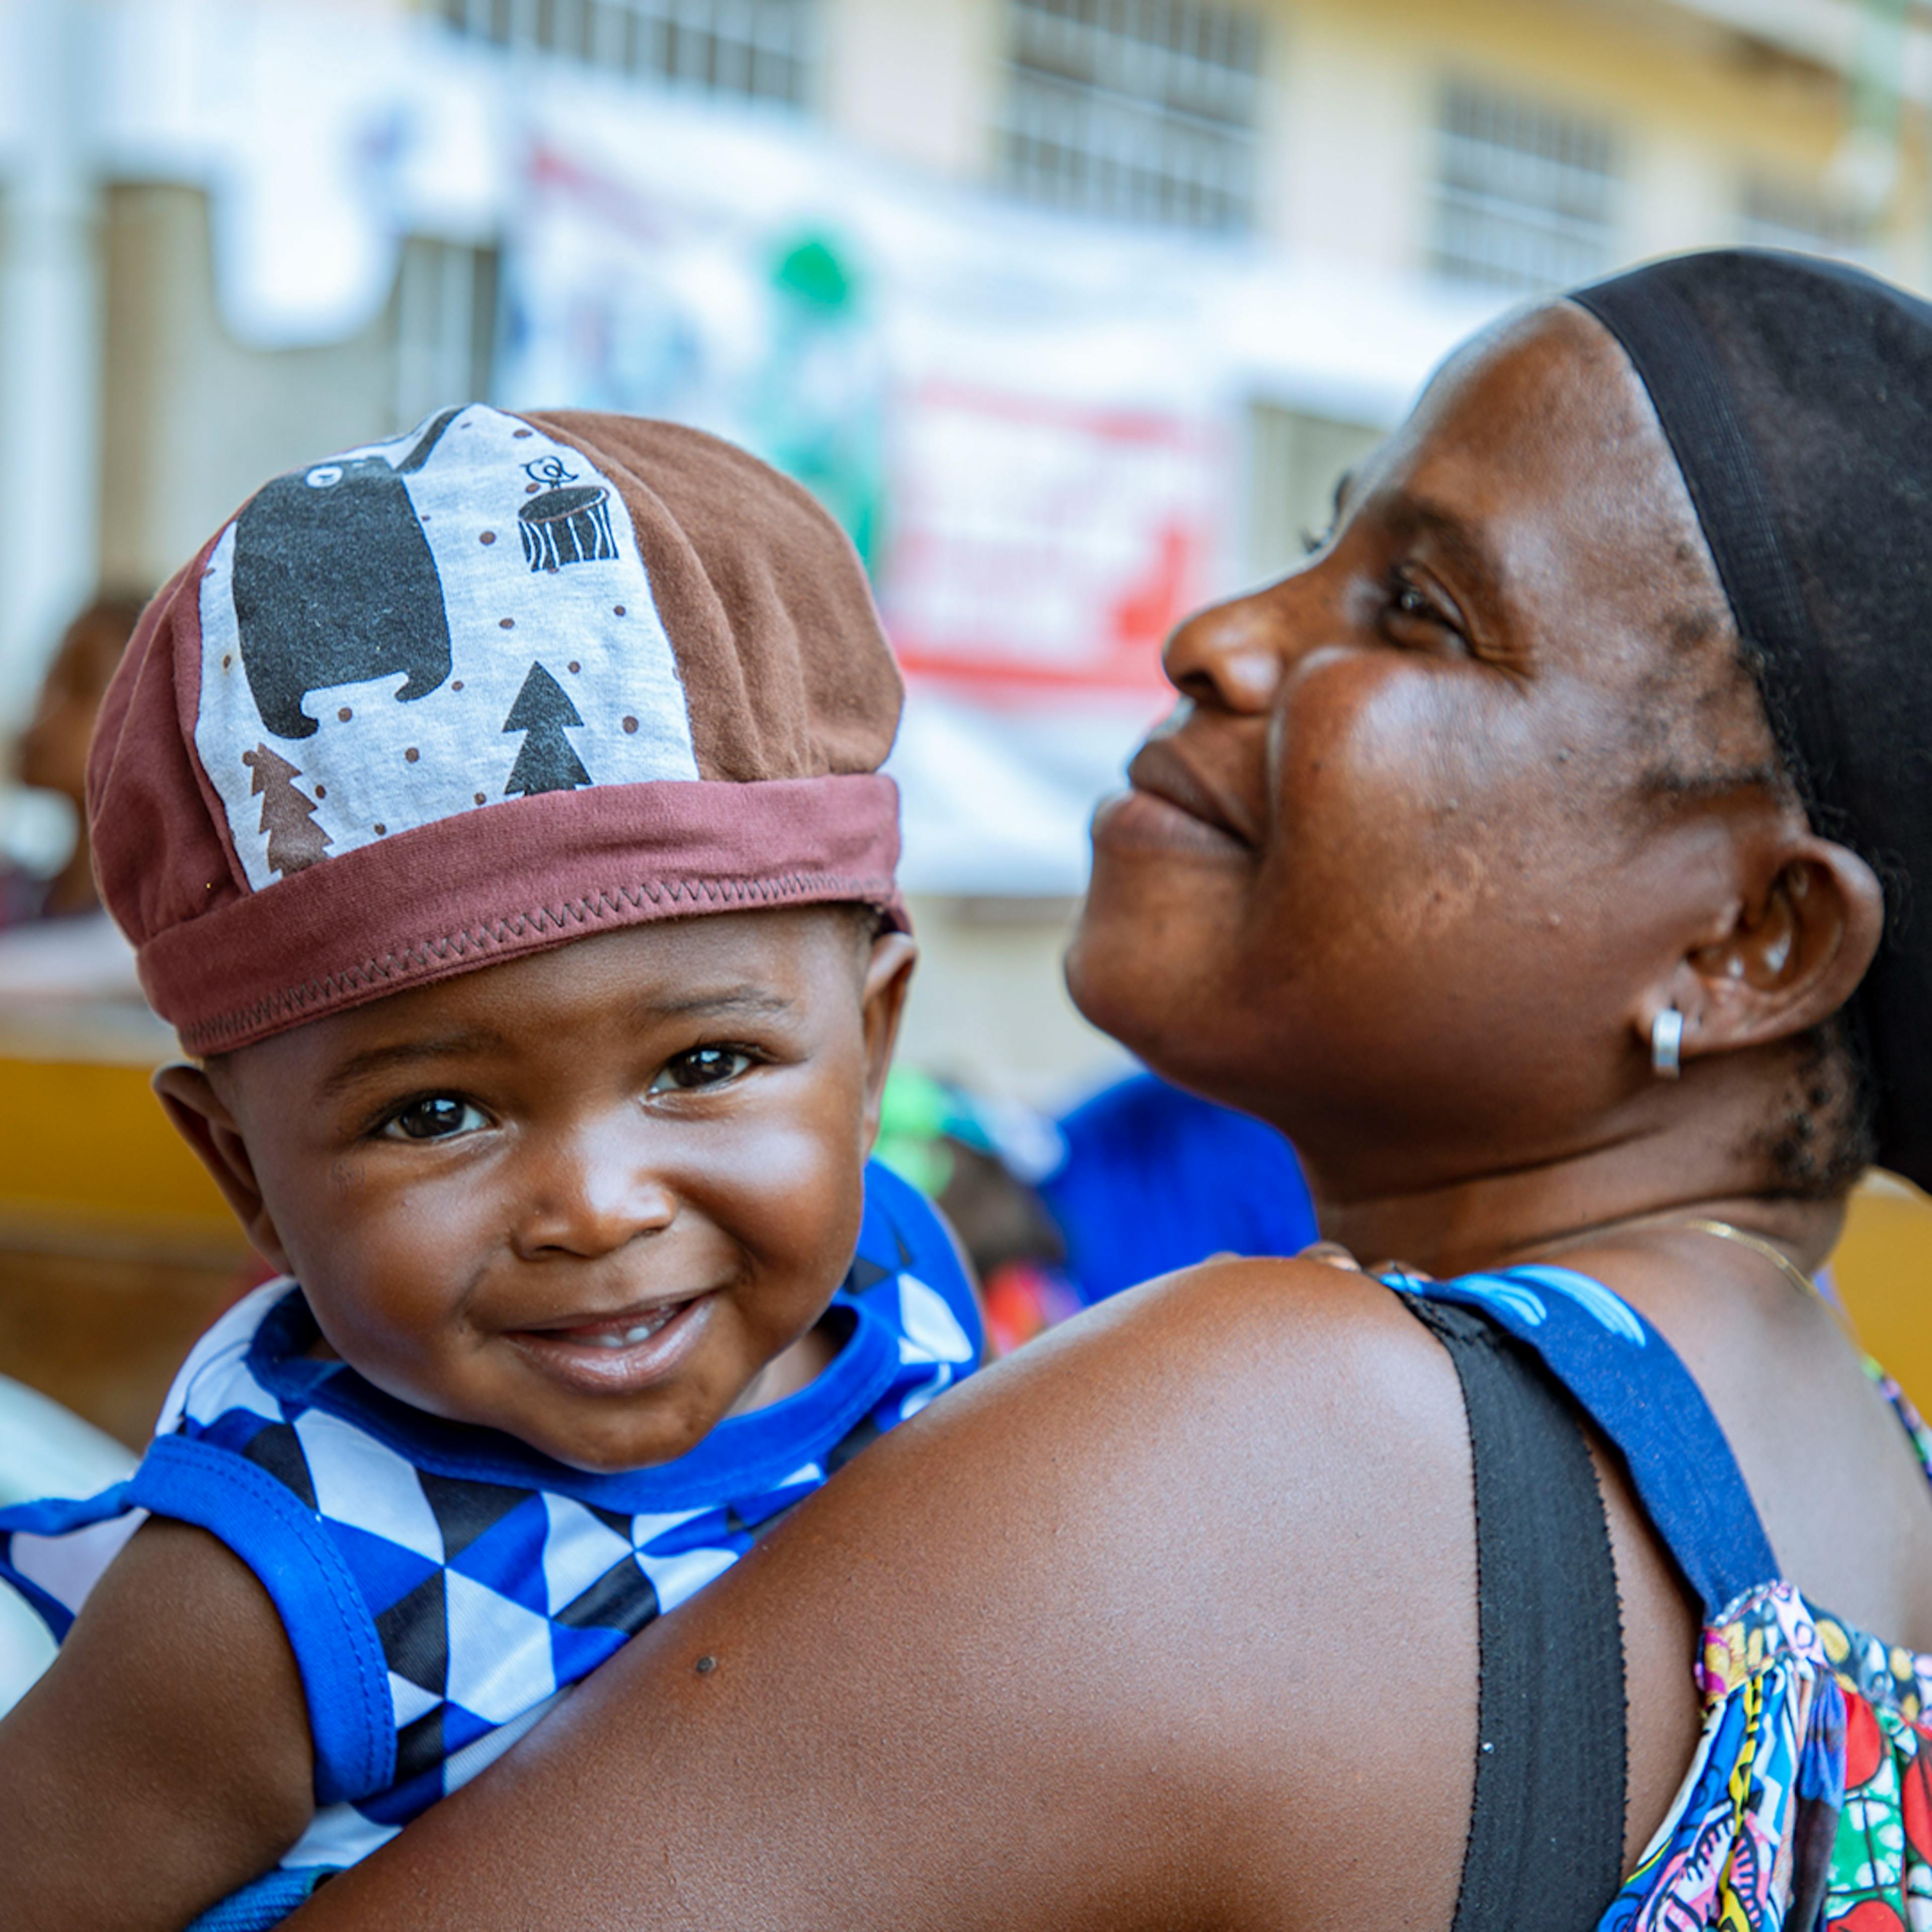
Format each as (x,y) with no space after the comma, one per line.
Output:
(547,762)
(295,841)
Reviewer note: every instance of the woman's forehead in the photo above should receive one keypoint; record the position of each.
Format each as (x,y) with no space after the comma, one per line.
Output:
(1547,391)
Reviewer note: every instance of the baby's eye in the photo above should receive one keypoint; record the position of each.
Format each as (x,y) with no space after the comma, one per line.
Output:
(702,1066)
(434,1118)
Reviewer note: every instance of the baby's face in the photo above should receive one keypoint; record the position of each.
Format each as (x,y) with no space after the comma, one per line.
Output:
(589,1197)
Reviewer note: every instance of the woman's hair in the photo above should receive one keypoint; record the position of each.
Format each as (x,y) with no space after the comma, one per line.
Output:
(1796,395)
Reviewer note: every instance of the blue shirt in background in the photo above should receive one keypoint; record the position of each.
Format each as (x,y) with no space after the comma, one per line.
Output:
(1155,1179)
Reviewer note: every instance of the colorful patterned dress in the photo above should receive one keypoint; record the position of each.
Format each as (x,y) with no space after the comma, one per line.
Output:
(1808,1807)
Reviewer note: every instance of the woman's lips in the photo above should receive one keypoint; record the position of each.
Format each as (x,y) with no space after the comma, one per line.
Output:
(622,1354)
(1168,809)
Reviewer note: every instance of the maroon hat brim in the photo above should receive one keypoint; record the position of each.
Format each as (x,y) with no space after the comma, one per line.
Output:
(562,866)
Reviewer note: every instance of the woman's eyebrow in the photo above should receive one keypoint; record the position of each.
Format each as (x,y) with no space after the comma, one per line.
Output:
(373,1060)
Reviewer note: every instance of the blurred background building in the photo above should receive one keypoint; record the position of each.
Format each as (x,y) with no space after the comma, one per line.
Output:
(1072,310)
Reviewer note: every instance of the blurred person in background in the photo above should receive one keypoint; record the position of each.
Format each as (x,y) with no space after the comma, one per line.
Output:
(1137,1180)
(1155,1178)
(57,947)
(52,754)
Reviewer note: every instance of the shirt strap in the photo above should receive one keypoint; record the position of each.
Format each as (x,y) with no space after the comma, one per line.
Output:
(1629,1381)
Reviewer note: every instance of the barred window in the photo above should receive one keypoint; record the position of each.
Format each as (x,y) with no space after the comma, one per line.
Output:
(1525,195)
(759,48)
(1142,110)
(1786,214)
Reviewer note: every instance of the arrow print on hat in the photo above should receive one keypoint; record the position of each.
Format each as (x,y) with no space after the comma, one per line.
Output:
(548,761)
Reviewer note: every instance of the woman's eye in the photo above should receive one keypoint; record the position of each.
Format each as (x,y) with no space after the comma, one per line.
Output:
(1407,600)
(702,1066)
(1410,606)
(434,1119)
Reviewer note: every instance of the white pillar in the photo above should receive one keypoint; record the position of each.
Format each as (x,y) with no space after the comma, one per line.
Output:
(50,347)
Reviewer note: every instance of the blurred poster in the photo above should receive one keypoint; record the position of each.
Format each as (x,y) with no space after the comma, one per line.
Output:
(623,297)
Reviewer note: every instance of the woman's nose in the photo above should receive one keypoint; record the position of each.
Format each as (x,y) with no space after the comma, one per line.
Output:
(1227,657)
(590,1192)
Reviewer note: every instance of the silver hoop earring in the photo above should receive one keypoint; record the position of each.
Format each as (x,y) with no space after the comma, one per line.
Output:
(1667,1044)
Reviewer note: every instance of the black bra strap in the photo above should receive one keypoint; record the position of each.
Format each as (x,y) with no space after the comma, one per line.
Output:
(1547,1827)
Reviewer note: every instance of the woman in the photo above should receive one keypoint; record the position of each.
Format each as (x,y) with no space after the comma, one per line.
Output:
(1565,768)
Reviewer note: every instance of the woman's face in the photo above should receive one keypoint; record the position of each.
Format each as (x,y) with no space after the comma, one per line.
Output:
(1400,868)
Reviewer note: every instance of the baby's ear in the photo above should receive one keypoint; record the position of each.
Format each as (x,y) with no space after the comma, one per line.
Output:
(203,1119)
(888,975)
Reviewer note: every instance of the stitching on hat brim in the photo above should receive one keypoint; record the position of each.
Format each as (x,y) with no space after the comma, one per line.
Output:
(517,934)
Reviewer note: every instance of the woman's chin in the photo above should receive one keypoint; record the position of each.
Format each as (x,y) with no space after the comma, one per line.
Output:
(1117,986)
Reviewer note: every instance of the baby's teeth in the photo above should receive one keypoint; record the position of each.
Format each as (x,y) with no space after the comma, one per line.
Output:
(639,1332)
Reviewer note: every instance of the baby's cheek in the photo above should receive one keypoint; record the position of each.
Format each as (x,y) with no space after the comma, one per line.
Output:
(386,1292)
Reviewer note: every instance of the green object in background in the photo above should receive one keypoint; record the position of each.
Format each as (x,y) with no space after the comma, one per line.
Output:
(1868,159)
(816,406)
(914,1113)
(813,272)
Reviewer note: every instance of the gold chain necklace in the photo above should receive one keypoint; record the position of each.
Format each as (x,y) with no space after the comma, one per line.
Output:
(1758,1245)
(1698,1224)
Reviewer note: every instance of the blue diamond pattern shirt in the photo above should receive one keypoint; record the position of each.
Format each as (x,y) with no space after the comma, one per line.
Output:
(442,1586)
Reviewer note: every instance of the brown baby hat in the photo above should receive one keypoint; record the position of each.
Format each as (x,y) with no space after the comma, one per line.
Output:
(496,685)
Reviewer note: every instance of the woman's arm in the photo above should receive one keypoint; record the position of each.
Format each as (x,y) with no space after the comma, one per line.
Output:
(1126,1633)
(164,1758)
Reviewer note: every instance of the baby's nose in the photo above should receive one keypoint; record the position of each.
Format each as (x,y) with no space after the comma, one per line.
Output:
(591,1191)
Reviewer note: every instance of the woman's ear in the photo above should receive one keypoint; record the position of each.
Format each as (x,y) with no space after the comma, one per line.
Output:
(202,1119)
(1798,945)
(888,976)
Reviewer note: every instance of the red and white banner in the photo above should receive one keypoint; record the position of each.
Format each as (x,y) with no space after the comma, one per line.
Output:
(1044,544)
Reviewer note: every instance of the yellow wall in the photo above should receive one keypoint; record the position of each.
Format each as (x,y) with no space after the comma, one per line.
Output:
(86,1155)
(1883,1269)
(1698,110)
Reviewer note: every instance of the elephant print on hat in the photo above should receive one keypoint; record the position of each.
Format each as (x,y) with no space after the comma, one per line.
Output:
(334,584)
(373,620)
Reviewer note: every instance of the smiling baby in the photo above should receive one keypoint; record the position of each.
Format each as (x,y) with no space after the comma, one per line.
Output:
(497,815)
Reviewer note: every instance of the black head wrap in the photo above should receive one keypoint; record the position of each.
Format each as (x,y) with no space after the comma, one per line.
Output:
(1797,397)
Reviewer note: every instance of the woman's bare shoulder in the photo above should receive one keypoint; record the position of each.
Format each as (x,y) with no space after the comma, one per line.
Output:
(1013,1666)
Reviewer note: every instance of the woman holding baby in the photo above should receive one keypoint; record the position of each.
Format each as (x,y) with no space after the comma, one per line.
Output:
(1538,857)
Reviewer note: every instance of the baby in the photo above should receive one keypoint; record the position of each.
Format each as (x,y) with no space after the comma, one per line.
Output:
(497,812)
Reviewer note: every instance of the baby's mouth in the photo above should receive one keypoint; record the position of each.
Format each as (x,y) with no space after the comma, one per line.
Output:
(624,1328)
(627,1350)
(623,1331)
